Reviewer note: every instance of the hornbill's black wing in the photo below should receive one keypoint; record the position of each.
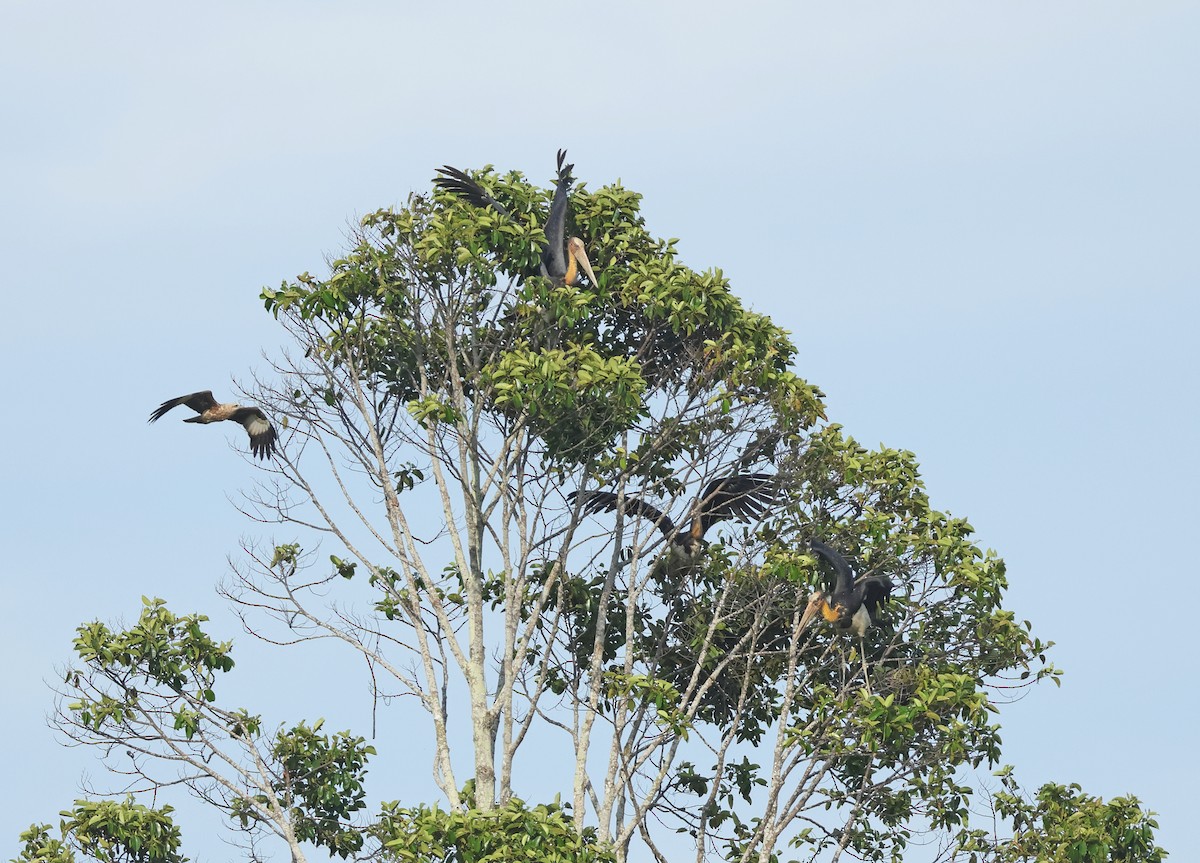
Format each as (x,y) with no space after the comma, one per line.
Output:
(743,496)
(593,502)
(458,183)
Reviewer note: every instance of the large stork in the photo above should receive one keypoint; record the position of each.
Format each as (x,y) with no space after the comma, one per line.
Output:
(258,427)
(852,605)
(562,257)
(742,496)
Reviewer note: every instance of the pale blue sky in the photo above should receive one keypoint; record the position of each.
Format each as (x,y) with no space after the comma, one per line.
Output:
(979,221)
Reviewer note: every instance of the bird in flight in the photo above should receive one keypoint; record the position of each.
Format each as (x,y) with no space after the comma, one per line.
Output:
(562,257)
(852,605)
(742,496)
(258,427)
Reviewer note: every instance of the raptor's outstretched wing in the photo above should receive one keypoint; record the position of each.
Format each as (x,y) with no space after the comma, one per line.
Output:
(199,402)
(262,433)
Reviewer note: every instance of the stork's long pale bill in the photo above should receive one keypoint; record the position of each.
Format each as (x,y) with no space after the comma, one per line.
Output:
(814,605)
(576,250)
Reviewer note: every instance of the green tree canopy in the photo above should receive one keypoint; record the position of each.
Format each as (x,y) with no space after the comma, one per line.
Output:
(436,381)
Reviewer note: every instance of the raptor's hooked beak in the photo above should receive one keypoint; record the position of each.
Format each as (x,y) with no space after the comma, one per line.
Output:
(575,247)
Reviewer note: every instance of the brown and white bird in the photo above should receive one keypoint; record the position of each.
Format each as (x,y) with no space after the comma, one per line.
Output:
(742,496)
(258,427)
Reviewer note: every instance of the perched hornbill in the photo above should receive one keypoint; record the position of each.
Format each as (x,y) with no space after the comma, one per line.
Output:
(852,605)
(562,257)
(741,496)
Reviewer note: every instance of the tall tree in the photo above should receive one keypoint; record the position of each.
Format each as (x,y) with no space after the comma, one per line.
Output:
(521,470)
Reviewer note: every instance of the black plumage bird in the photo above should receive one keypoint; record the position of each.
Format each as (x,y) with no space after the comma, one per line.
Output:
(852,605)
(562,257)
(742,496)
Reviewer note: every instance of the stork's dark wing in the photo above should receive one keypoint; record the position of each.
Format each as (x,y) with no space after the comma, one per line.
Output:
(841,566)
(876,589)
(606,501)
(458,183)
(262,433)
(743,496)
(199,402)
(554,258)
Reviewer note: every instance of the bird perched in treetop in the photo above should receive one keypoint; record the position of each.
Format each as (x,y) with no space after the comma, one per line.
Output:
(562,257)
(742,496)
(852,605)
(258,427)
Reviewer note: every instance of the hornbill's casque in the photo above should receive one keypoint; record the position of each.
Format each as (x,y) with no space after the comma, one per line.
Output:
(741,496)
(852,605)
(258,427)
(560,261)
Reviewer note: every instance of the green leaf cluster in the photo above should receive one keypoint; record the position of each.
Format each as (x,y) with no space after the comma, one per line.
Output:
(510,833)
(571,395)
(1067,826)
(161,649)
(106,830)
(320,784)
(1062,824)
